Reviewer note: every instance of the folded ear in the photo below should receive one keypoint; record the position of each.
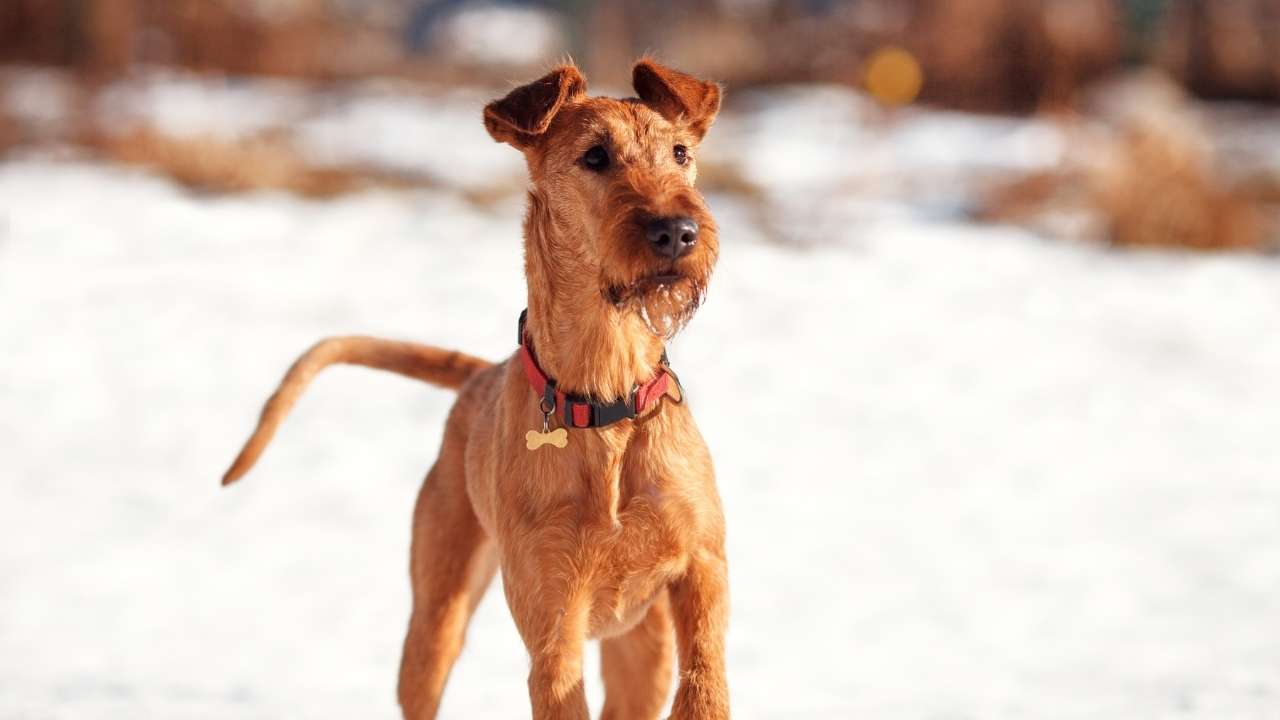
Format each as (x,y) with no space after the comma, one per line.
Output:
(676,96)
(526,112)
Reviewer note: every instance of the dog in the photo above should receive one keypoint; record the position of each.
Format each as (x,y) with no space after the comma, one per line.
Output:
(574,466)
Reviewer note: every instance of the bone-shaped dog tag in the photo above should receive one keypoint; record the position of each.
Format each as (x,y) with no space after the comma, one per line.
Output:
(534,439)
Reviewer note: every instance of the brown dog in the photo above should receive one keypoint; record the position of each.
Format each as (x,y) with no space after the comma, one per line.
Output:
(572,465)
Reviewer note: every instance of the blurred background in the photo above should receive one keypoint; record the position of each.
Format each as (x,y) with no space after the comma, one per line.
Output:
(1001,274)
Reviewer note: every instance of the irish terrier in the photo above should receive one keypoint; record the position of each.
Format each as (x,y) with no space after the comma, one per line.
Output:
(572,465)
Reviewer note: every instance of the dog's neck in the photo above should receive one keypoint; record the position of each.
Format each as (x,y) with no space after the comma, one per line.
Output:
(581,340)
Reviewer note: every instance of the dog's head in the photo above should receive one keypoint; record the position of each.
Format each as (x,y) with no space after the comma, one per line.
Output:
(613,196)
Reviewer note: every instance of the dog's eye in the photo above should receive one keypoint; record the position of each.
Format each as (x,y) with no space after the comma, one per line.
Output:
(596,158)
(682,154)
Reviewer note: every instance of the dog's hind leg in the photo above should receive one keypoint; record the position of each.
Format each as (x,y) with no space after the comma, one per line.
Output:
(637,666)
(451,564)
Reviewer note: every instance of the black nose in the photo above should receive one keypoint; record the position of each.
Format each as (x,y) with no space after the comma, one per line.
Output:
(672,236)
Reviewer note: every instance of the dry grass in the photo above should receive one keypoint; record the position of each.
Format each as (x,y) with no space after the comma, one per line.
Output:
(1262,188)
(1022,198)
(1162,189)
(714,177)
(1148,178)
(267,161)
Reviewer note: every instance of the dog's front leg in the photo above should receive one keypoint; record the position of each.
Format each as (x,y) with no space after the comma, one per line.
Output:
(555,679)
(700,607)
(552,620)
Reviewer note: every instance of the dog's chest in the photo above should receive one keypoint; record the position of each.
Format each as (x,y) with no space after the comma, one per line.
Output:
(636,556)
(614,515)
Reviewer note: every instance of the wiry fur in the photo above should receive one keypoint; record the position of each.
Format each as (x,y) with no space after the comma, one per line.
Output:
(439,367)
(620,535)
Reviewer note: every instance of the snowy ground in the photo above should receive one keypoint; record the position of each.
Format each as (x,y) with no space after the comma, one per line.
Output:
(982,474)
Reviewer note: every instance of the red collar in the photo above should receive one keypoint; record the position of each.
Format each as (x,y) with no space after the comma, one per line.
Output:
(583,412)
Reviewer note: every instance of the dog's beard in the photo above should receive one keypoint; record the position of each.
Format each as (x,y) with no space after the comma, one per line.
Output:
(664,307)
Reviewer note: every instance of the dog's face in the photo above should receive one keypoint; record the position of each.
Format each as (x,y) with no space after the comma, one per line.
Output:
(617,177)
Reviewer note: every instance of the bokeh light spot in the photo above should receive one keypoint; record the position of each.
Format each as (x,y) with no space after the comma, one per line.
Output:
(893,76)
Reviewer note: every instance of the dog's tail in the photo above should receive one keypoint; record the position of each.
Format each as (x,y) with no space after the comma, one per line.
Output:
(444,368)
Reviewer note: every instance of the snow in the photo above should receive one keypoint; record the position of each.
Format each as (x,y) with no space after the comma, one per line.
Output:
(978,474)
(37,97)
(500,35)
(185,104)
(434,134)
(824,135)
(804,145)
(389,126)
